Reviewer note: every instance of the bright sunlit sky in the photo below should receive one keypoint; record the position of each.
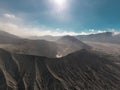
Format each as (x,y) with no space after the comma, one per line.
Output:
(59,17)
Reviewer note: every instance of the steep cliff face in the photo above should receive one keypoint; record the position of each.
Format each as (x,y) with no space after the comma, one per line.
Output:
(82,70)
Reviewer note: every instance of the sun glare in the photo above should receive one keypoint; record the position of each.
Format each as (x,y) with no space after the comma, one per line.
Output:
(60,5)
(59,9)
(59,2)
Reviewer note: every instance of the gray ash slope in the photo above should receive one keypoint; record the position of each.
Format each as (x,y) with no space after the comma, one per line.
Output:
(7,38)
(71,41)
(109,37)
(82,70)
(69,44)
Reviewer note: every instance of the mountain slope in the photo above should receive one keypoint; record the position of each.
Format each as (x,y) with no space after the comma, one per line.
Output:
(82,70)
(33,47)
(69,44)
(46,37)
(108,37)
(26,46)
(7,38)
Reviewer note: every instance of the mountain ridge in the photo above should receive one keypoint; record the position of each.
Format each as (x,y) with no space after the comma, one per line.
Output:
(109,37)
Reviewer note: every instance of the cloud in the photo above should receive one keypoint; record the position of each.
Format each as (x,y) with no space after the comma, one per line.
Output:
(17,25)
(115,32)
(94,31)
(60,10)
(28,31)
(24,31)
(10,16)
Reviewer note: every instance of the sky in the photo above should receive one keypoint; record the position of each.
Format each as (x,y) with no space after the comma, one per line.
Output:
(59,17)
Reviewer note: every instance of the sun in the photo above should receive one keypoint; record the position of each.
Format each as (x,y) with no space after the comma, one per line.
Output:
(59,5)
(59,2)
(59,8)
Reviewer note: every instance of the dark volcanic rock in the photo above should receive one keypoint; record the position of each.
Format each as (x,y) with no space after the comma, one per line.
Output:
(82,70)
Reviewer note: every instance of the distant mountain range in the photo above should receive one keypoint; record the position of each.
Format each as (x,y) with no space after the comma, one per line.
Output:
(60,46)
(26,46)
(108,37)
(63,46)
(46,37)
